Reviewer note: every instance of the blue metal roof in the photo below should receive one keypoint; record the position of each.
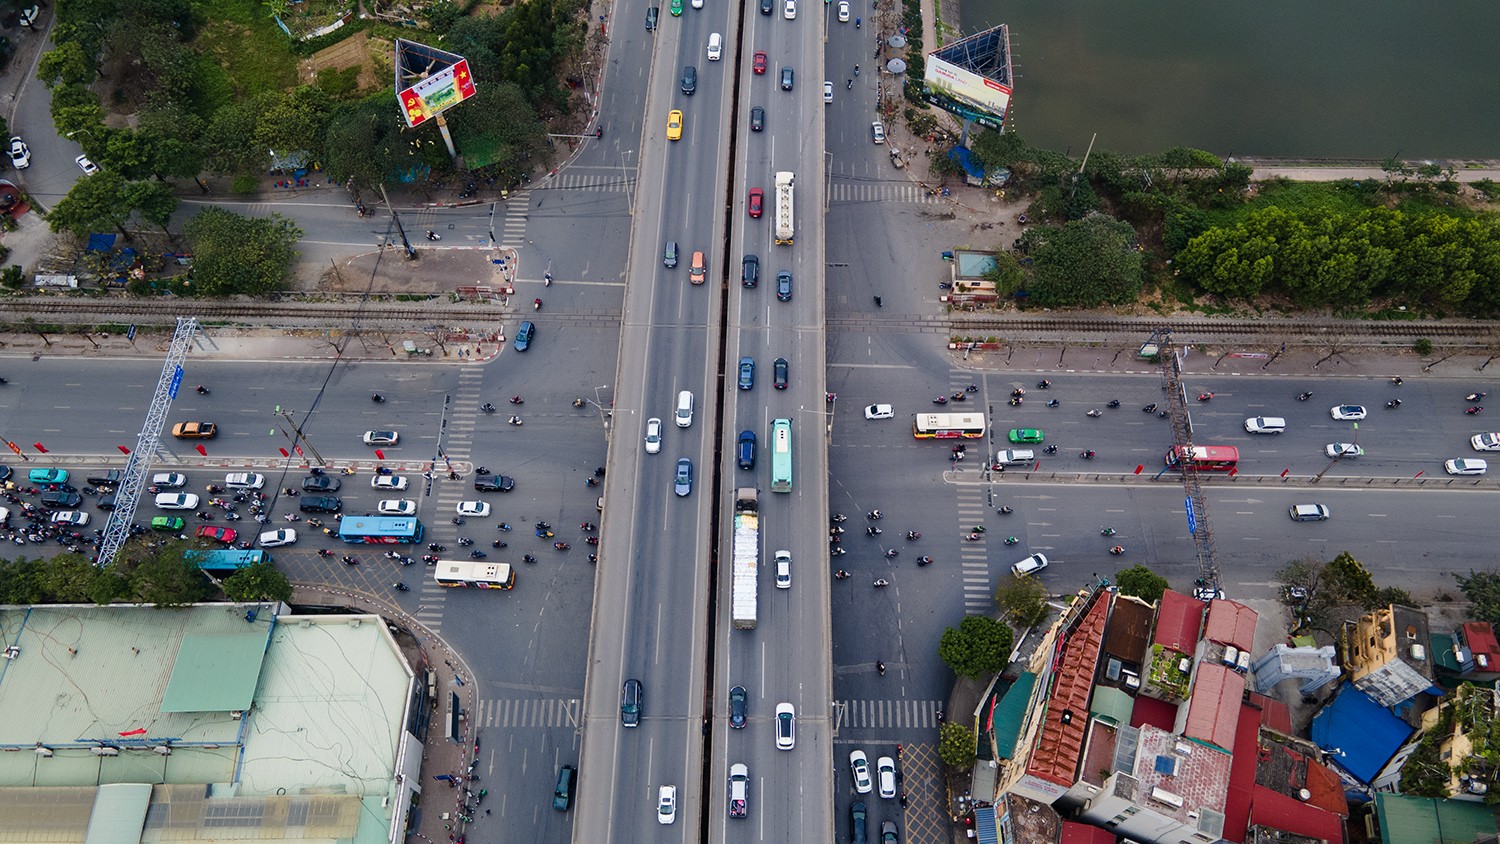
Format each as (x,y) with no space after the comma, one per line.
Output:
(984,825)
(1359,733)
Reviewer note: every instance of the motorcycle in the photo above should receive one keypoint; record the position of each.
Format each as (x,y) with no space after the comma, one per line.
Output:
(201,390)
(1396,380)
(892,554)
(881,583)
(1117,550)
(1005,510)
(401,587)
(579,403)
(1015,402)
(1205,396)
(841,575)
(1017,393)
(536,304)
(874,515)
(838,517)
(478,554)
(457,520)
(972,388)
(1051,449)
(433,546)
(1113,403)
(543,533)
(516,400)
(1475,396)
(498,543)
(924,561)
(912,536)
(1043,384)
(873,531)
(1087,455)
(464,542)
(835,530)
(974,537)
(527,558)
(1393,403)
(587,526)
(940,400)
(1304,396)
(1093,414)
(1109,531)
(487,407)
(377,398)
(1150,408)
(504,527)
(1053,402)
(1473,410)
(836,552)
(1011,540)
(561,546)
(429,558)
(592,540)
(959,396)
(324,552)
(515,420)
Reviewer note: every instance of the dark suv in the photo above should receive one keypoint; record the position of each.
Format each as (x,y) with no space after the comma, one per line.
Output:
(320,504)
(321,483)
(108,477)
(689,80)
(630,703)
(750,274)
(61,499)
(494,483)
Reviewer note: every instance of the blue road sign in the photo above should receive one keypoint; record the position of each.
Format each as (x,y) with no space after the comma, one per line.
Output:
(1191,516)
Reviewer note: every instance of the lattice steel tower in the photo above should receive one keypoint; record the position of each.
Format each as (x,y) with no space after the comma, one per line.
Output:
(128,493)
(1182,443)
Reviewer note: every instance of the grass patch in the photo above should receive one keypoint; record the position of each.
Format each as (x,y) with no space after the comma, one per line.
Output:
(247,45)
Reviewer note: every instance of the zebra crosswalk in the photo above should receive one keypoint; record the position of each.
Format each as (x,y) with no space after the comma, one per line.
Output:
(850,191)
(608,179)
(886,714)
(528,713)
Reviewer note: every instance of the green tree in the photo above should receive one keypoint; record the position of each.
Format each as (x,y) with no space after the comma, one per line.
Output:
(164,577)
(1349,582)
(260,582)
(1022,600)
(1482,588)
(1084,263)
(1007,274)
(66,65)
(294,122)
(980,646)
(363,141)
(1142,583)
(97,203)
(956,745)
(240,256)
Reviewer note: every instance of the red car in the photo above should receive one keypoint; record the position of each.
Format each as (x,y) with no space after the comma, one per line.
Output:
(225,535)
(757,197)
(758,64)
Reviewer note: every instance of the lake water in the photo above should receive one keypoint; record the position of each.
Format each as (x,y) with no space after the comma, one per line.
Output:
(1307,79)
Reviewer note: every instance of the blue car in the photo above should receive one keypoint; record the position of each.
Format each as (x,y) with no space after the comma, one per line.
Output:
(524,335)
(684,482)
(746,451)
(747,373)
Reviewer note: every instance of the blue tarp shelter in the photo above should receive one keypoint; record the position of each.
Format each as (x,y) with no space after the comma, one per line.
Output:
(1359,734)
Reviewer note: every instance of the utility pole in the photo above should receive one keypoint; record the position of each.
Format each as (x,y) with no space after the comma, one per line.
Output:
(411,254)
(298,437)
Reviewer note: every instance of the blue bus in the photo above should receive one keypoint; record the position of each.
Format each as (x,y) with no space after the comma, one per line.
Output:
(227,560)
(781,455)
(380,530)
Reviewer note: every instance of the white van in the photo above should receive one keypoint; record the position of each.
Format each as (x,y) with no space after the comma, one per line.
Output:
(715,47)
(1011,456)
(1265,425)
(685,409)
(244,480)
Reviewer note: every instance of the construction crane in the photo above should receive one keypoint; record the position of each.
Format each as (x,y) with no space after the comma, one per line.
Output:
(128,493)
(1180,415)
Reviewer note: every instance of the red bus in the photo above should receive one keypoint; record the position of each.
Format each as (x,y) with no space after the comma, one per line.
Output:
(1206,458)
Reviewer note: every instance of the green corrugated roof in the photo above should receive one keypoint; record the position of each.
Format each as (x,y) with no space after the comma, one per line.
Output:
(119,814)
(1442,652)
(1009,714)
(217,673)
(1423,820)
(1113,704)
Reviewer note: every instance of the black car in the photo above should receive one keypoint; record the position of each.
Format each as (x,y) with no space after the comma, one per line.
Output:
(757,119)
(778,373)
(630,702)
(737,698)
(689,80)
(750,274)
(786,79)
(857,823)
(107,477)
(319,504)
(61,500)
(766,5)
(106,502)
(747,450)
(321,483)
(5,473)
(784,286)
(494,483)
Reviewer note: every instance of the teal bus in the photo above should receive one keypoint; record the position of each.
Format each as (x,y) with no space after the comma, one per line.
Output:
(781,455)
(228,559)
(380,530)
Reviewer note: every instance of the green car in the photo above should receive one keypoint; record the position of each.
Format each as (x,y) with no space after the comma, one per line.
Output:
(676,8)
(171,523)
(1025,435)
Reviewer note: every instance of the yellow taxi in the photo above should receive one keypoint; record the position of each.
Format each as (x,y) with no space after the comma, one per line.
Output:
(674,125)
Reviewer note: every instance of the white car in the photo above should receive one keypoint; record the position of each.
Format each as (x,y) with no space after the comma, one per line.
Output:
(697,4)
(885,774)
(169,480)
(791,10)
(77,518)
(395,482)
(786,726)
(177,501)
(739,790)
(397,507)
(653,435)
(877,132)
(20,154)
(1030,565)
(1344,450)
(1466,467)
(1485,442)
(477,509)
(783,569)
(382,438)
(880,411)
(89,168)
(859,766)
(843,11)
(666,804)
(278,538)
(827,91)
(1347,412)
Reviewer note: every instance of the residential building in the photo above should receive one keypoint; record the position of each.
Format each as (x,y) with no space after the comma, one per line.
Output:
(1387,654)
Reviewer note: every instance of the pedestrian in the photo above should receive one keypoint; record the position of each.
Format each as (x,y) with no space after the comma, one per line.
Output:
(486,812)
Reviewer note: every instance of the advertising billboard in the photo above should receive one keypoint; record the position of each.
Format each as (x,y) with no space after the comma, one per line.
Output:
(966,86)
(437,93)
(972,77)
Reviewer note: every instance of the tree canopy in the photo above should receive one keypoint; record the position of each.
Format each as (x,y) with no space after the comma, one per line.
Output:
(1084,263)
(1142,583)
(234,255)
(980,646)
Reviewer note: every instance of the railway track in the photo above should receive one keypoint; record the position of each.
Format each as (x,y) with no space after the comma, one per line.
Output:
(82,311)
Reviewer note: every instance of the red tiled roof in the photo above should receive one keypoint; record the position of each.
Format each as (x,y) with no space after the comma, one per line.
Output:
(1276,810)
(1327,790)
(1242,774)
(1157,713)
(1480,639)
(1214,708)
(1055,758)
(1178,620)
(1274,714)
(1231,623)
(1074,832)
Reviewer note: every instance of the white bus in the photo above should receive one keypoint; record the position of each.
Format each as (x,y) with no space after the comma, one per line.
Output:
(476,573)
